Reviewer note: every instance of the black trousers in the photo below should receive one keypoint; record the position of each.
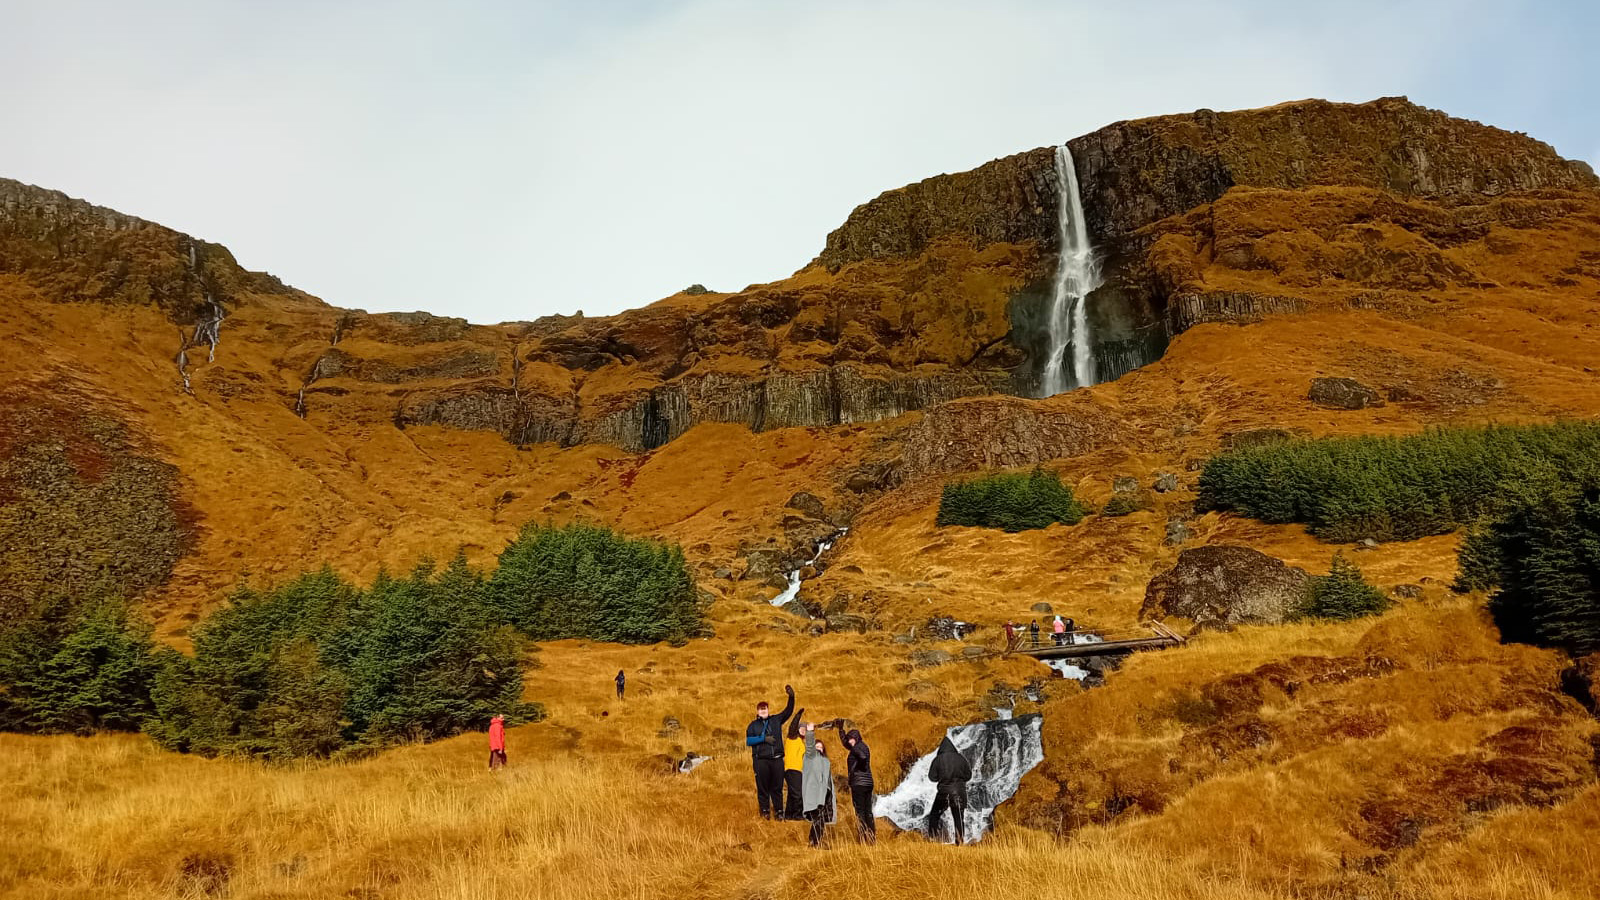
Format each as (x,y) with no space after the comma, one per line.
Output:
(769,787)
(861,799)
(817,817)
(791,806)
(957,804)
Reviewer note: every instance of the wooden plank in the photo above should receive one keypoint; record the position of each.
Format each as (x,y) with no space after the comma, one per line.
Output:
(1074,651)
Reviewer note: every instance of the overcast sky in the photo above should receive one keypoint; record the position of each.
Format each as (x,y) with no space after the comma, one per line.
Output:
(505,160)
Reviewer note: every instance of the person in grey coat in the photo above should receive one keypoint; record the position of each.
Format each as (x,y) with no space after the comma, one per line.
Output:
(816,788)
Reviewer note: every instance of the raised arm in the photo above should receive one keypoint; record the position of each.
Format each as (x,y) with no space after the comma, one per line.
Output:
(788,708)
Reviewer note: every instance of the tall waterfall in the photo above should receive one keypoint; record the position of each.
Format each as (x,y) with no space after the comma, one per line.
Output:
(1070,361)
(1001,752)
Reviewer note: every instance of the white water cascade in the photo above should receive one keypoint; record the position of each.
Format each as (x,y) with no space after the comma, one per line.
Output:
(1001,752)
(1065,667)
(1077,273)
(793,590)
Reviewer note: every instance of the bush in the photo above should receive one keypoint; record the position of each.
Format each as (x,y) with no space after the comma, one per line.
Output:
(1395,488)
(1011,502)
(1343,594)
(587,581)
(76,670)
(1546,552)
(1124,503)
(316,666)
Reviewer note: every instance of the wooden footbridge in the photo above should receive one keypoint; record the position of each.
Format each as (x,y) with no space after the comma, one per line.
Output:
(1163,638)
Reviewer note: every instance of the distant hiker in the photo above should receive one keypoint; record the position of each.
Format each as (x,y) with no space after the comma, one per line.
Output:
(817,788)
(1072,632)
(497,742)
(951,771)
(794,756)
(1011,636)
(858,767)
(1059,632)
(764,738)
(622,682)
(1033,630)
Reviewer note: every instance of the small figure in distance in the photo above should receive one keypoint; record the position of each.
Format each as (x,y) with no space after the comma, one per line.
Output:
(1059,631)
(1072,631)
(818,801)
(622,682)
(1033,631)
(1011,636)
(764,737)
(951,771)
(497,742)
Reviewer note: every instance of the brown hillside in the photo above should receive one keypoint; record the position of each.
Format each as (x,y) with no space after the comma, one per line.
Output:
(1452,267)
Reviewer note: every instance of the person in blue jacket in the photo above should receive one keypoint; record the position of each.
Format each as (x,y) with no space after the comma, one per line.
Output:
(764,737)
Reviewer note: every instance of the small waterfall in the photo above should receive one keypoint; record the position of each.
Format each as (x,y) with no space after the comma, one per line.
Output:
(1001,752)
(1065,667)
(793,590)
(1069,362)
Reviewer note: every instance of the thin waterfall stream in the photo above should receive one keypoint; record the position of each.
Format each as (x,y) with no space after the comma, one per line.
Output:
(1069,360)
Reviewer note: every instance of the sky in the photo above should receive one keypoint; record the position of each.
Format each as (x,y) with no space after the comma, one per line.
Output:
(506,160)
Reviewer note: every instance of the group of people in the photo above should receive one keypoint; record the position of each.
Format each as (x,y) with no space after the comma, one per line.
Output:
(1061,633)
(795,759)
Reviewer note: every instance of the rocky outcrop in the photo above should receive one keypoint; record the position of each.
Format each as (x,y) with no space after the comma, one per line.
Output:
(1003,432)
(1342,393)
(1184,311)
(1222,586)
(1139,172)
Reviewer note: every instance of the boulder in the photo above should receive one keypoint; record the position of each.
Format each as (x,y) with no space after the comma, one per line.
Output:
(796,608)
(1125,484)
(809,504)
(1042,608)
(724,573)
(1165,482)
(928,657)
(1178,533)
(1342,393)
(847,622)
(1255,437)
(764,564)
(1222,586)
(669,727)
(1407,591)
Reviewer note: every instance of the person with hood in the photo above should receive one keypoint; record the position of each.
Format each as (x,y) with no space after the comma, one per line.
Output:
(622,682)
(1059,628)
(497,742)
(858,768)
(794,755)
(951,771)
(764,737)
(817,787)
(1011,636)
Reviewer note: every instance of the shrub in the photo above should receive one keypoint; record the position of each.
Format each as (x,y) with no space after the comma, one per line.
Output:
(316,666)
(77,670)
(587,581)
(1011,502)
(1395,488)
(1546,548)
(1123,503)
(1343,594)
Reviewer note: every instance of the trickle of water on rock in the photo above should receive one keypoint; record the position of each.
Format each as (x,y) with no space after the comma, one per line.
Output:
(1001,752)
(793,590)
(1077,273)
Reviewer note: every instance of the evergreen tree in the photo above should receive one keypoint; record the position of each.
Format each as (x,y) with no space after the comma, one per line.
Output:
(1548,546)
(1344,594)
(1010,501)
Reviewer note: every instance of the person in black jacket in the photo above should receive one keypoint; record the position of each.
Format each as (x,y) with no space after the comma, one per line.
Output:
(622,682)
(764,737)
(858,767)
(952,772)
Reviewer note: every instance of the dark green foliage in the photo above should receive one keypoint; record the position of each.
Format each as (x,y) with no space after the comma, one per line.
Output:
(1343,594)
(315,666)
(1388,488)
(1479,560)
(1547,552)
(79,670)
(1124,502)
(591,582)
(1010,501)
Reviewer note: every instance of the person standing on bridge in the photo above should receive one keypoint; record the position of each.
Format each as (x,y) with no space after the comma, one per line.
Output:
(951,771)
(1072,631)
(858,768)
(764,738)
(1011,636)
(1033,631)
(1059,630)
(622,682)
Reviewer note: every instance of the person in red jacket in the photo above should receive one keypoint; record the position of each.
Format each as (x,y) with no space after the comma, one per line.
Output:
(497,742)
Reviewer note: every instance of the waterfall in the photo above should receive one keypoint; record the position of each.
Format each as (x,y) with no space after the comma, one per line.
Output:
(1066,668)
(793,590)
(1077,273)
(1001,752)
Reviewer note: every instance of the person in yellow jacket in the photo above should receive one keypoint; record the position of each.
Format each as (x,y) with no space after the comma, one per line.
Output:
(794,754)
